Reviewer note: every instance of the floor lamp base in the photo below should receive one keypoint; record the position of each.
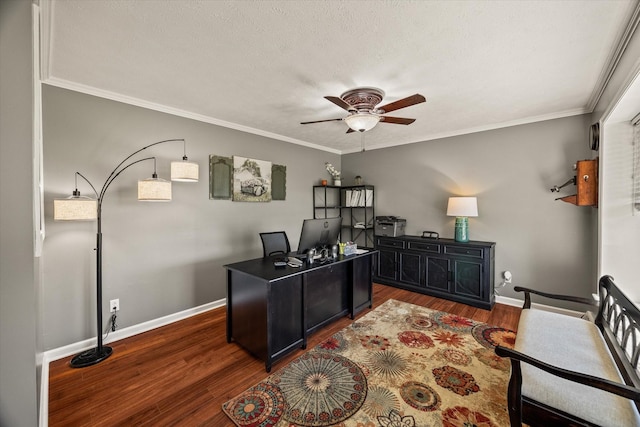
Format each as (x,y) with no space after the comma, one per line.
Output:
(90,357)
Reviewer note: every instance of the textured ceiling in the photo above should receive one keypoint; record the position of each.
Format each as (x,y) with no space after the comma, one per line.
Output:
(265,66)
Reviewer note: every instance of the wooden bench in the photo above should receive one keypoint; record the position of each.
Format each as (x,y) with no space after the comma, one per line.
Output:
(571,371)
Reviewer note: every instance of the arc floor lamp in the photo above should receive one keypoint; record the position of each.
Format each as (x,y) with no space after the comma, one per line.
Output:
(79,207)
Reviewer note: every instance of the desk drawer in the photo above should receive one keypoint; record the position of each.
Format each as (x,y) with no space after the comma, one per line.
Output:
(461,250)
(425,246)
(390,243)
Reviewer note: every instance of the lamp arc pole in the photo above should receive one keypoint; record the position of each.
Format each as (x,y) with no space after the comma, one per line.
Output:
(101,351)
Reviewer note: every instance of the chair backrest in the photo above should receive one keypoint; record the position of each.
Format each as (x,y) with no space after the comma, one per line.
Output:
(275,242)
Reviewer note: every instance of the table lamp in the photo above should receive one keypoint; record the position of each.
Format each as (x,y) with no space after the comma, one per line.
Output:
(462,208)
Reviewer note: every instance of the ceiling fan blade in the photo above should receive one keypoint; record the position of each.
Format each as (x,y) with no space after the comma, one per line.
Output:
(339,102)
(321,121)
(402,103)
(396,120)
(350,130)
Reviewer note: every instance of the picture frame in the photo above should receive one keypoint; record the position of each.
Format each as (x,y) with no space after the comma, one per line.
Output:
(251,180)
(220,177)
(278,182)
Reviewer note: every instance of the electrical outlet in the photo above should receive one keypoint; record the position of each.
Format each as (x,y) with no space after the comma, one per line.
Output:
(507,276)
(114,305)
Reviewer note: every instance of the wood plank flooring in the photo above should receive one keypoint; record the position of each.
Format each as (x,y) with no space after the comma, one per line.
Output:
(181,374)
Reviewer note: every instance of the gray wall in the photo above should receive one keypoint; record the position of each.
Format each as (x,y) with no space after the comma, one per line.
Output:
(163,258)
(546,244)
(18,283)
(159,258)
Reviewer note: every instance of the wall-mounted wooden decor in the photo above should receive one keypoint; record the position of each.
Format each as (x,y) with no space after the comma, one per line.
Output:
(220,177)
(278,182)
(586,181)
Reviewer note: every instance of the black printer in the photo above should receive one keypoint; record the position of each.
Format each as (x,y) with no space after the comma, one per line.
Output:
(391,226)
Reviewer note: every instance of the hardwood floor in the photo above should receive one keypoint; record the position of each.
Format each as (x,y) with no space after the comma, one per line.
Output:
(181,374)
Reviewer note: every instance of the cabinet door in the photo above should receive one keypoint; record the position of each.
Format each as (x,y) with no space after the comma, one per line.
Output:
(410,268)
(437,273)
(386,267)
(361,297)
(285,315)
(325,294)
(468,278)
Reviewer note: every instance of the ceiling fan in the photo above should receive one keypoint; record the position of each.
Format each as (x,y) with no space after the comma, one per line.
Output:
(363,113)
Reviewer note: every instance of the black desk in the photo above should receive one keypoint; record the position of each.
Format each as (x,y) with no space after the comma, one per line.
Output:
(271,311)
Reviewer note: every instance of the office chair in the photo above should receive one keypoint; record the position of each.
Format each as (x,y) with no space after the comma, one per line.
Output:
(275,242)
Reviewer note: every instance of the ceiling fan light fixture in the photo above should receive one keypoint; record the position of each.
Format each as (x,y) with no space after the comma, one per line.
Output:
(362,121)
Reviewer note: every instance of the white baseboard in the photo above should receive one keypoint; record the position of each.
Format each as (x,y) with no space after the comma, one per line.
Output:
(509,301)
(67,350)
(519,303)
(43,413)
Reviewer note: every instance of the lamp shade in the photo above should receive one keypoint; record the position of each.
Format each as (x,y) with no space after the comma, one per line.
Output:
(184,171)
(154,190)
(362,122)
(75,208)
(462,206)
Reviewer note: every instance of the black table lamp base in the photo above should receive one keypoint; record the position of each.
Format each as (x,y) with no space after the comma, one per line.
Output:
(91,357)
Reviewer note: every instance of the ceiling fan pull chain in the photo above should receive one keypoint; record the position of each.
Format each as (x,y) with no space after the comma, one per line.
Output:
(362,141)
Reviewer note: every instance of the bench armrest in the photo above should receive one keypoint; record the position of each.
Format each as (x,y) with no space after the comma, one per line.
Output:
(601,383)
(528,292)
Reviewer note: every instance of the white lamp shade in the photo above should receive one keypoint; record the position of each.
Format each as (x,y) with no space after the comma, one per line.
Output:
(362,122)
(462,206)
(184,171)
(154,190)
(75,208)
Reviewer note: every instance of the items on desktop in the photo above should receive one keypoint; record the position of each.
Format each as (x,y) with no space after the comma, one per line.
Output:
(319,233)
(323,254)
(294,262)
(319,242)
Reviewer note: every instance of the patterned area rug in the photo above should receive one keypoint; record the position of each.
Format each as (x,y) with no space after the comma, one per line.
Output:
(400,365)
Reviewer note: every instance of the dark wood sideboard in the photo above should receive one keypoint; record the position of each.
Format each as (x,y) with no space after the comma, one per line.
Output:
(444,268)
(272,310)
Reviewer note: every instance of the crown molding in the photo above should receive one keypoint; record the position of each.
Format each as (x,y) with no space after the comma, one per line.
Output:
(90,90)
(494,126)
(45,22)
(614,58)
